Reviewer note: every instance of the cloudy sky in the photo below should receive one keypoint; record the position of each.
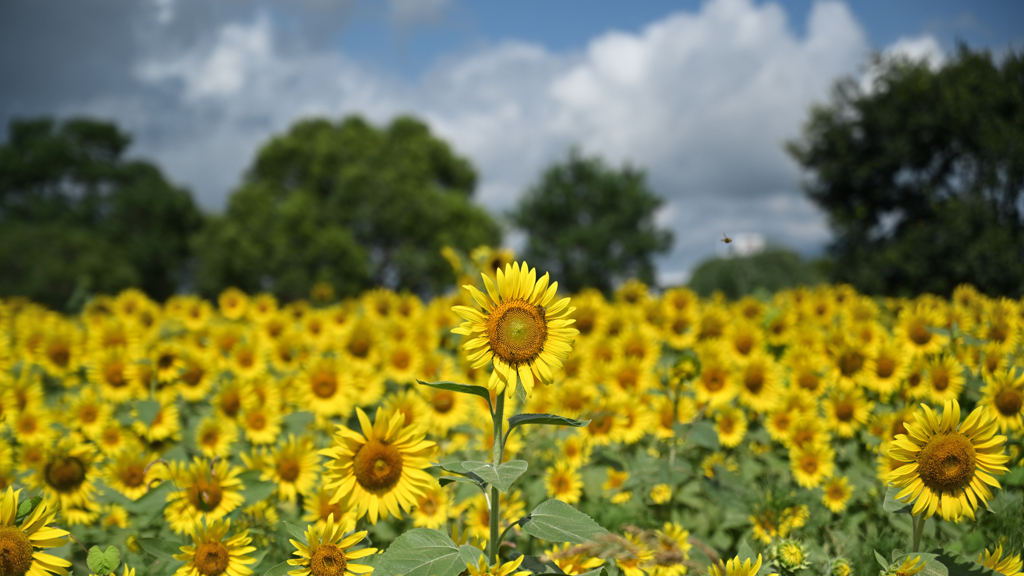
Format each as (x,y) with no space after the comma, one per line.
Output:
(699,93)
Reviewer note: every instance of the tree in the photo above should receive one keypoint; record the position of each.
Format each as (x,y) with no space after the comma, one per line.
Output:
(922,175)
(349,204)
(591,225)
(773,270)
(76,215)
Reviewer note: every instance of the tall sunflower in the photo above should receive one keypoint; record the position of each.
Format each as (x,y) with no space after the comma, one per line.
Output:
(948,464)
(381,470)
(521,332)
(208,491)
(18,543)
(327,553)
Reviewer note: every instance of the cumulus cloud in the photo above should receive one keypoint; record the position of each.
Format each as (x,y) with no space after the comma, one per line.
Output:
(702,100)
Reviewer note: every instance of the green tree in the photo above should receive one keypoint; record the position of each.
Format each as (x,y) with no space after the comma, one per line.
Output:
(591,225)
(922,175)
(75,214)
(771,270)
(349,204)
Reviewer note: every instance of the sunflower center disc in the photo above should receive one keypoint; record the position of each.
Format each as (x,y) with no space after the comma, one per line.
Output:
(15,552)
(920,334)
(133,475)
(885,367)
(65,474)
(328,560)
(324,384)
(204,495)
(844,410)
(947,462)
(288,469)
(212,558)
(443,401)
(378,466)
(516,331)
(1009,402)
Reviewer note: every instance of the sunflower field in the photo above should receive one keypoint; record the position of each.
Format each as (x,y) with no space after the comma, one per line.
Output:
(507,429)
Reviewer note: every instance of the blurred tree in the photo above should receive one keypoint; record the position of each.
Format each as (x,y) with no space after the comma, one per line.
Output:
(74,213)
(922,175)
(772,270)
(349,204)
(591,225)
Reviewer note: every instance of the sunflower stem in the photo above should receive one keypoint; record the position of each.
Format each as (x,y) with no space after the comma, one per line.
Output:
(499,409)
(918,522)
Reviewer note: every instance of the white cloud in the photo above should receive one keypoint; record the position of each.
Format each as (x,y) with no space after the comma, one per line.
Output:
(407,13)
(702,100)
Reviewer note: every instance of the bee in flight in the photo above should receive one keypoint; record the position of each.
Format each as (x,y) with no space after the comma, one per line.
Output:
(726,239)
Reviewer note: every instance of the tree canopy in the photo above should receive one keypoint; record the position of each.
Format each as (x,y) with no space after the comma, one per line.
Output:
(75,214)
(772,270)
(591,225)
(922,175)
(349,204)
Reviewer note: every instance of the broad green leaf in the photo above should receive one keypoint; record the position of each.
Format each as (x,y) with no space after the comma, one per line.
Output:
(446,480)
(255,490)
(460,469)
(147,410)
(421,552)
(470,554)
(103,562)
(295,531)
(151,501)
(881,560)
(1014,478)
(297,422)
(25,507)
(280,569)
(501,477)
(556,521)
(960,566)
(703,434)
(745,552)
(159,547)
(891,504)
(461,388)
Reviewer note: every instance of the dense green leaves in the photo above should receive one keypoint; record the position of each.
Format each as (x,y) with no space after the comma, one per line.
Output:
(421,552)
(557,521)
(591,225)
(922,175)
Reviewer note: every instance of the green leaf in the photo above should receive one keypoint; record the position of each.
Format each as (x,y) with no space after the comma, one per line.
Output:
(960,566)
(279,570)
(556,521)
(152,501)
(745,552)
(501,477)
(159,547)
(297,422)
(546,419)
(460,469)
(703,434)
(255,490)
(470,554)
(296,532)
(461,388)
(891,504)
(147,410)
(103,562)
(26,507)
(421,552)
(932,567)
(881,560)
(1014,478)
(446,480)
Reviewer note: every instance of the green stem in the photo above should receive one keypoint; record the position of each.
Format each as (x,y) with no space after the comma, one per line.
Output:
(918,523)
(499,409)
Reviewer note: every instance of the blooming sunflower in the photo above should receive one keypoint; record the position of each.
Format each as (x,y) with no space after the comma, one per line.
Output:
(214,552)
(1011,565)
(563,482)
(522,332)
(381,470)
(734,567)
(18,543)
(837,493)
(948,464)
(328,553)
(1003,396)
(208,491)
(506,569)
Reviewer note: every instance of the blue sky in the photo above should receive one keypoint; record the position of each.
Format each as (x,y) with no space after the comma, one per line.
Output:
(700,94)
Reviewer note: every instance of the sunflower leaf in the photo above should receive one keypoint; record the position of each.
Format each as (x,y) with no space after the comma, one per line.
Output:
(296,532)
(103,562)
(703,434)
(446,480)
(463,388)
(26,507)
(160,548)
(501,477)
(891,504)
(470,554)
(460,469)
(881,560)
(556,521)
(961,566)
(421,552)
(255,490)
(147,410)
(548,419)
(280,569)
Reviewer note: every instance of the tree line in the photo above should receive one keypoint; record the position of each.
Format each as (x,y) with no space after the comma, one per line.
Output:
(921,175)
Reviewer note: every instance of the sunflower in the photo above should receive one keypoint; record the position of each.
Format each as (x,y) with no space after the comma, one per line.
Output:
(214,552)
(431,509)
(760,379)
(293,465)
(572,559)
(735,567)
(1011,565)
(478,513)
(944,377)
(381,470)
(523,333)
(846,411)
(107,367)
(326,388)
(717,384)
(1003,396)
(67,473)
(884,370)
(730,425)
(913,328)
(661,493)
(837,493)
(563,482)
(18,543)
(131,472)
(812,464)
(261,424)
(318,508)
(575,450)
(208,491)
(948,464)
(215,436)
(327,552)
(482,568)
(444,409)
(89,413)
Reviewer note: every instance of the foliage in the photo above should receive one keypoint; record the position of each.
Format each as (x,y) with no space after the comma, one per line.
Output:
(76,214)
(922,175)
(591,225)
(771,271)
(348,204)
